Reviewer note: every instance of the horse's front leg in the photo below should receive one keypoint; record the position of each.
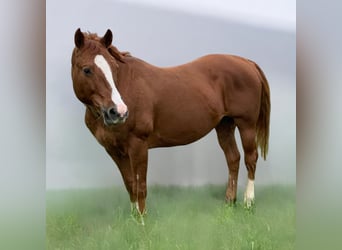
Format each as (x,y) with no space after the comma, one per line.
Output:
(124,164)
(133,168)
(138,154)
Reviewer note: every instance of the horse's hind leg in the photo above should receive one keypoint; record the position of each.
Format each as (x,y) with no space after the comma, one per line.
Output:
(225,134)
(248,134)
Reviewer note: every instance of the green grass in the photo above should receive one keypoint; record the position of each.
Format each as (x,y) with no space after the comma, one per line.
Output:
(177,218)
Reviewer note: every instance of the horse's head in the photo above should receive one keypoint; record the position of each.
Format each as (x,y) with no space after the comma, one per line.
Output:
(95,76)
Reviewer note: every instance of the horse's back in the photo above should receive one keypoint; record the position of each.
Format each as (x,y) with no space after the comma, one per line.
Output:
(235,81)
(229,65)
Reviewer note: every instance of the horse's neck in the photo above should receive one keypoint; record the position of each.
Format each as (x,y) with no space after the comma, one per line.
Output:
(133,66)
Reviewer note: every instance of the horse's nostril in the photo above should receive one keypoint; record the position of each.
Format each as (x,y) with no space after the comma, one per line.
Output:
(112,113)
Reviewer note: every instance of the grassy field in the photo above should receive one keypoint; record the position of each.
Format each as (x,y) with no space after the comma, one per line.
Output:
(178,218)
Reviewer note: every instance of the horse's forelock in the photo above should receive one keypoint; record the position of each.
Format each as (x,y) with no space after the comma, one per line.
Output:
(91,36)
(92,46)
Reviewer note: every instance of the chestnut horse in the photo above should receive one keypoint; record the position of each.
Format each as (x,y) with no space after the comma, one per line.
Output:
(132,106)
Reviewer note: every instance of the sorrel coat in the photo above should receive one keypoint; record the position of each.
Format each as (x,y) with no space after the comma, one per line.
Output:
(132,106)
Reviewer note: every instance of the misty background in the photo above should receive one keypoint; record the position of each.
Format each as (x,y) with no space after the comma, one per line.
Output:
(166,34)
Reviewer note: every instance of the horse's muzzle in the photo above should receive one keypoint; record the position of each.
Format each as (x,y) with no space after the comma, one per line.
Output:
(111,116)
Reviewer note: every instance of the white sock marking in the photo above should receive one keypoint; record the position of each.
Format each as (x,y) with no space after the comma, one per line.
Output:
(249,194)
(102,63)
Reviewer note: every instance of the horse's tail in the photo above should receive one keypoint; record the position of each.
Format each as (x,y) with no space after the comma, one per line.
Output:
(263,123)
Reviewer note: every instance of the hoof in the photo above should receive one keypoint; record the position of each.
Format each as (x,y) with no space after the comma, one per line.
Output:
(139,219)
(231,201)
(249,203)
(136,215)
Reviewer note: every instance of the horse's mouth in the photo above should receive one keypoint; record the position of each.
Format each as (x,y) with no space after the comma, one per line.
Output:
(113,122)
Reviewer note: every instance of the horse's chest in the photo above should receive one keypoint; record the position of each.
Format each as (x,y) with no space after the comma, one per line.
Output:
(104,137)
(108,139)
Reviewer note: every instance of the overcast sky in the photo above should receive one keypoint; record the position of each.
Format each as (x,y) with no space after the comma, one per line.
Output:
(277,14)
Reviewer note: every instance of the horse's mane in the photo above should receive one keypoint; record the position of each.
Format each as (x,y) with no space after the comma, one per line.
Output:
(114,50)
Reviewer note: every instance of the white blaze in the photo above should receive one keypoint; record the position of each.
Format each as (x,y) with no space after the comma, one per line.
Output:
(101,62)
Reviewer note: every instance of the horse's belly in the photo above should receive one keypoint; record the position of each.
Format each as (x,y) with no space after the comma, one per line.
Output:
(180,132)
(158,140)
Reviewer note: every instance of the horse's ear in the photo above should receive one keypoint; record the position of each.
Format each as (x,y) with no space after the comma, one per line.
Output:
(107,39)
(79,38)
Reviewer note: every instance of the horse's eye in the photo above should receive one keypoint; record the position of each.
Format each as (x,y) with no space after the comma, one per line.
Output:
(87,71)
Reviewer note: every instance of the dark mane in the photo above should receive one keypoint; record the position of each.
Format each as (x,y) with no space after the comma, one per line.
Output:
(94,37)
